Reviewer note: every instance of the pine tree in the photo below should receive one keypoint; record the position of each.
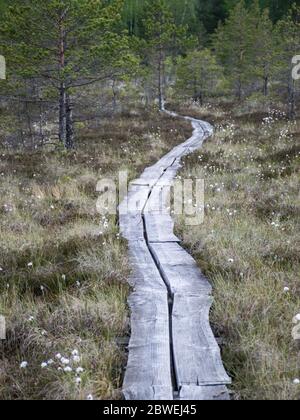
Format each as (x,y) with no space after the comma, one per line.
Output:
(263,46)
(65,44)
(198,75)
(288,39)
(233,44)
(163,38)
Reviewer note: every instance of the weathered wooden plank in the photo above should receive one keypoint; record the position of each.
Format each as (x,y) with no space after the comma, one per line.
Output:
(173,253)
(132,226)
(148,373)
(160,228)
(179,269)
(169,175)
(197,355)
(204,393)
(151,393)
(158,200)
(136,199)
(145,275)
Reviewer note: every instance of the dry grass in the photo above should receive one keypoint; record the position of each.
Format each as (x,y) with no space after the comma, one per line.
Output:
(63,266)
(249,247)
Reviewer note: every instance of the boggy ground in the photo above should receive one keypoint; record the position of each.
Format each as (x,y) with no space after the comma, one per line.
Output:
(249,244)
(63,267)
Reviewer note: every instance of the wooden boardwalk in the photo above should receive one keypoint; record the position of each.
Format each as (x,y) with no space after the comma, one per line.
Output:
(173,354)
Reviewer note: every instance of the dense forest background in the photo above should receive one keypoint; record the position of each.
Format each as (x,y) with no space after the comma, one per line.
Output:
(199,14)
(195,13)
(140,51)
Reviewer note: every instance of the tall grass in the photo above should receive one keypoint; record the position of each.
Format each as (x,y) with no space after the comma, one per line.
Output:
(249,246)
(64,268)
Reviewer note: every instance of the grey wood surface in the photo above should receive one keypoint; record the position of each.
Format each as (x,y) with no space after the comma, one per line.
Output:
(148,373)
(160,228)
(145,275)
(196,352)
(171,299)
(204,393)
(179,269)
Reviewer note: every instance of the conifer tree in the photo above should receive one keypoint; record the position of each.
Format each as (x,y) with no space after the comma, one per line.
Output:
(288,41)
(65,44)
(198,75)
(163,37)
(233,43)
(263,46)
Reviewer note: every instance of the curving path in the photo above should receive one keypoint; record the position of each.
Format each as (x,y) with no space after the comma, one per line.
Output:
(173,354)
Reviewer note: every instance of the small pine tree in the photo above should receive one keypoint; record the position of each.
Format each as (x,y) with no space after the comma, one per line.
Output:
(163,37)
(263,46)
(233,42)
(198,75)
(288,42)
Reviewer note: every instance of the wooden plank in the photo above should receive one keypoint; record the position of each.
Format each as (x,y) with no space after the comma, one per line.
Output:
(197,355)
(148,372)
(145,275)
(160,228)
(130,213)
(173,253)
(157,202)
(136,199)
(179,269)
(204,393)
(152,393)
(132,226)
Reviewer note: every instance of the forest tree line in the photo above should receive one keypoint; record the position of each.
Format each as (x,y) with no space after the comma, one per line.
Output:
(58,51)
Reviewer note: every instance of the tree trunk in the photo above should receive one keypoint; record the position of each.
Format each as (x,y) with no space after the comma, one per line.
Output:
(266,86)
(198,97)
(161,80)
(62,87)
(115,95)
(63,114)
(240,90)
(160,87)
(69,124)
(291,99)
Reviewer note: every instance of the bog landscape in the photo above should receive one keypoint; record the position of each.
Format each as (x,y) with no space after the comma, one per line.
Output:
(149,200)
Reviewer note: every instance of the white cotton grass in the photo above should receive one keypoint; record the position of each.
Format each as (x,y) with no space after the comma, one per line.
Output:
(286,289)
(24,365)
(90,397)
(296,319)
(296,381)
(65,365)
